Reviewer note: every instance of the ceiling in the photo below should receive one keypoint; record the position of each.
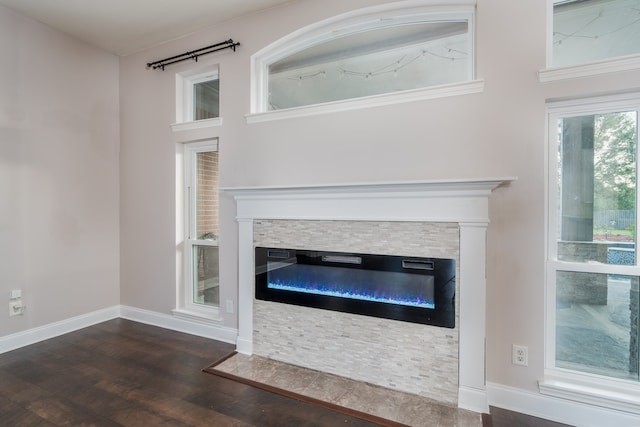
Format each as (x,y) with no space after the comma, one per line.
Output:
(127,26)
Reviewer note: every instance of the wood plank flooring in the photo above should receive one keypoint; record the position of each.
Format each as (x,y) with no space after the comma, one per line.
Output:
(123,373)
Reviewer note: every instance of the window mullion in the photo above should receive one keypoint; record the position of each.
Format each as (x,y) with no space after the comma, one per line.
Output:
(637,157)
(554,192)
(583,267)
(190,209)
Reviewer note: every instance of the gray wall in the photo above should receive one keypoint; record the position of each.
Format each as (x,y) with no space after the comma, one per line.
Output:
(59,175)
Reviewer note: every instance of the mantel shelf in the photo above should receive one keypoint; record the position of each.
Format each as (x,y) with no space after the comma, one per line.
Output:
(463,201)
(453,186)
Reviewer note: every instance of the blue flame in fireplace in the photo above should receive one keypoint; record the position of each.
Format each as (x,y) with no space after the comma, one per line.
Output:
(385,287)
(412,302)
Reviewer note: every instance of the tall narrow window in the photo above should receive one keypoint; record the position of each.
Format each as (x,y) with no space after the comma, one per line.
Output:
(593,280)
(592,30)
(201,228)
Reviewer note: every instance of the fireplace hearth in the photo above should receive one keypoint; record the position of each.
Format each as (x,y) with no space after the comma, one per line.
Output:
(411,289)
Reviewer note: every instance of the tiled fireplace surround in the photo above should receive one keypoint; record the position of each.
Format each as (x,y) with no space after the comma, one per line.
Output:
(442,219)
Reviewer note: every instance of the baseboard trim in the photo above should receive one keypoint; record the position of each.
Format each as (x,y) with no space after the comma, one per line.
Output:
(219,333)
(556,409)
(52,330)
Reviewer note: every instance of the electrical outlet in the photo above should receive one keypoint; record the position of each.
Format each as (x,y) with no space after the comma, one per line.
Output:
(16,308)
(15,294)
(520,355)
(229,306)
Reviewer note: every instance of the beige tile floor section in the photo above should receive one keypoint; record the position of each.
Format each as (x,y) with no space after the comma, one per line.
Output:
(393,405)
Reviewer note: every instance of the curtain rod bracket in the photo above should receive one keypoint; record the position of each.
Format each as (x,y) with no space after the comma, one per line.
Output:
(162,63)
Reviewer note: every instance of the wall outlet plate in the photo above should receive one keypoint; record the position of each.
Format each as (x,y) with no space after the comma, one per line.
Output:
(16,308)
(520,355)
(15,294)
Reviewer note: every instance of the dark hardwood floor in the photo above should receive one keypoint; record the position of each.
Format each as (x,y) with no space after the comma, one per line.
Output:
(123,373)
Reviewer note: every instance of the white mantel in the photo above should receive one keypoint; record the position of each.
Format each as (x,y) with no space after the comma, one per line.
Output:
(461,201)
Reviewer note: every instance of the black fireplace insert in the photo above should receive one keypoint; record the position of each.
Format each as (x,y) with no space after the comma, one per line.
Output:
(411,289)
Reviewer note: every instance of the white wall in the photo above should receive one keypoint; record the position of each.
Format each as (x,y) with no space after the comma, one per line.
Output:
(500,132)
(59,138)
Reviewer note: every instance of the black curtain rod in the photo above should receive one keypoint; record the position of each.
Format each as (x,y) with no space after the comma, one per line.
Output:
(194,54)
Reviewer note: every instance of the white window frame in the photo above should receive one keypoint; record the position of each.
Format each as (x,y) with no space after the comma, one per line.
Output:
(184,99)
(357,21)
(188,308)
(610,65)
(588,388)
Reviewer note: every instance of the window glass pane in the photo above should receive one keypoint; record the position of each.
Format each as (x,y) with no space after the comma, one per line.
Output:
(205,275)
(207,195)
(590,30)
(202,253)
(206,100)
(597,324)
(597,188)
(382,60)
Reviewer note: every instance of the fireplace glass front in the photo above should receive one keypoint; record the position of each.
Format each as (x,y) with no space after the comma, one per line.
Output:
(412,289)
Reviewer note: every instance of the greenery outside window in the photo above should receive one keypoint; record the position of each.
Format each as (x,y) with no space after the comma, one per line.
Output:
(593,276)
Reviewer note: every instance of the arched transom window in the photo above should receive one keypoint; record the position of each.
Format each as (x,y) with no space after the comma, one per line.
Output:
(372,52)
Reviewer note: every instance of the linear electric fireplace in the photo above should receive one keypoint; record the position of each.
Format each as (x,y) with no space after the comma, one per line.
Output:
(412,289)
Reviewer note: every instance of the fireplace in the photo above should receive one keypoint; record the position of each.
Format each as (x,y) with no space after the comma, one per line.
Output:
(440,219)
(411,289)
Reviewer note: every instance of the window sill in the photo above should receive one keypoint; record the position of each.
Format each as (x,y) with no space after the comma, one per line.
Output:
(594,390)
(207,316)
(626,63)
(474,86)
(197,124)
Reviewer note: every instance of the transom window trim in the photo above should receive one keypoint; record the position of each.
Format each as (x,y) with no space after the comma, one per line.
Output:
(197,124)
(589,388)
(625,63)
(185,82)
(349,23)
(456,89)
(610,65)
